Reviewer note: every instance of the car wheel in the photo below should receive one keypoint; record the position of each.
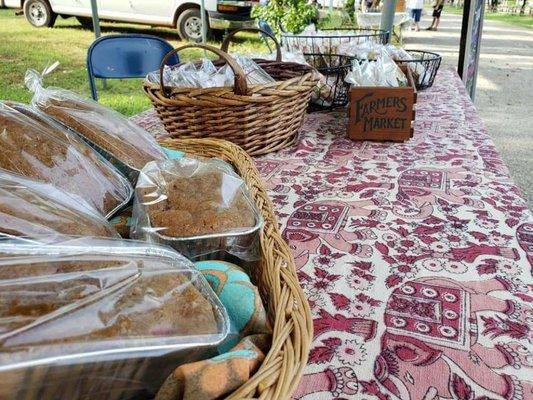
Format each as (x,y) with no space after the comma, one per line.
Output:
(39,13)
(86,22)
(189,25)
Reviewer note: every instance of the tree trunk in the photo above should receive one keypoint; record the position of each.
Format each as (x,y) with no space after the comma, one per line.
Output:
(523,8)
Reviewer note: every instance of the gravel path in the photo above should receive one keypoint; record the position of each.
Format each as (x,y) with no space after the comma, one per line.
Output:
(504,98)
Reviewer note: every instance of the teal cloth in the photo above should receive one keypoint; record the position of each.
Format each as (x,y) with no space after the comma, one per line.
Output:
(173,154)
(241,353)
(239,296)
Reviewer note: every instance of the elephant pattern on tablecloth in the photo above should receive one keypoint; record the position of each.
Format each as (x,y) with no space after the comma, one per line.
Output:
(324,222)
(344,151)
(454,331)
(421,189)
(443,339)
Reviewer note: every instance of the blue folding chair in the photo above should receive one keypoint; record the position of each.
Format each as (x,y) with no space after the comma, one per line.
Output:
(125,56)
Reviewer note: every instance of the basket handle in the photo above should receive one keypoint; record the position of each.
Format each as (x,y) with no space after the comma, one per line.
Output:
(229,36)
(240,86)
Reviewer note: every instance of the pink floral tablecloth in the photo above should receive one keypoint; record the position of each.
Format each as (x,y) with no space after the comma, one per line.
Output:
(416,258)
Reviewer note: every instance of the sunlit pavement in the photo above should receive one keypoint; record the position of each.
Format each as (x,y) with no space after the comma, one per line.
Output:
(505,82)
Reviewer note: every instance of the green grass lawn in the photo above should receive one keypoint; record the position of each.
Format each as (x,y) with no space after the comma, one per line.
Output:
(23,46)
(520,20)
(525,21)
(450,9)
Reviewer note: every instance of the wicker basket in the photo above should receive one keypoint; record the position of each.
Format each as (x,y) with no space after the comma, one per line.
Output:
(259,118)
(285,302)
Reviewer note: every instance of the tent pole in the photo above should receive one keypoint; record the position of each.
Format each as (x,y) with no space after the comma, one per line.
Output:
(387,17)
(96,21)
(96,28)
(204,22)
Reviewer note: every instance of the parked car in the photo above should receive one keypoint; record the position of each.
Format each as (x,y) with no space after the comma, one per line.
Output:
(184,15)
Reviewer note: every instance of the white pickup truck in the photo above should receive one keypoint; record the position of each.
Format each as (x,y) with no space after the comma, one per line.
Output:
(184,15)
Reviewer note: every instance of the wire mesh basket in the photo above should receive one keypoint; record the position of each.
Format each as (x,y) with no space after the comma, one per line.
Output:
(424,66)
(327,41)
(331,90)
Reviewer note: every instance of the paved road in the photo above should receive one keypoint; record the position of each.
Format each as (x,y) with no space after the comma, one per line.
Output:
(505,81)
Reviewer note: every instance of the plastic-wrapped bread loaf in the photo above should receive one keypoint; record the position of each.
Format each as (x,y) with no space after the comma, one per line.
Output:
(38,210)
(197,206)
(42,150)
(94,316)
(182,310)
(103,127)
(190,197)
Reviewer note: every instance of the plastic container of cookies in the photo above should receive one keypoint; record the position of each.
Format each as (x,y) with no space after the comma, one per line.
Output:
(126,145)
(40,149)
(91,316)
(38,210)
(199,207)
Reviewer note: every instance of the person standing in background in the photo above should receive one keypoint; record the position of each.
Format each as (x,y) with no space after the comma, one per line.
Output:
(416,7)
(369,5)
(437,10)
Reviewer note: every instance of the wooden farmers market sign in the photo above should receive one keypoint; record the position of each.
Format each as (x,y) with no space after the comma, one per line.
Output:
(381,113)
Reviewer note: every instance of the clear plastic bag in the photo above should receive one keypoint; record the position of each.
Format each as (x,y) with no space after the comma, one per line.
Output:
(111,133)
(373,51)
(366,50)
(324,92)
(255,75)
(185,75)
(417,68)
(295,56)
(199,207)
(206,75)
(380,72)
(88,317)
(35,147)
(39,210)
(397,53)
(391,74)
(358,75)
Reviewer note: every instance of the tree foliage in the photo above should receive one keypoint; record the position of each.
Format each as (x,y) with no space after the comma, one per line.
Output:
(349,7)
(291,15)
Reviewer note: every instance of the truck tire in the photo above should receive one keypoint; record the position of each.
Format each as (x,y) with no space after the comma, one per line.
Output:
(39,13)
(189,25)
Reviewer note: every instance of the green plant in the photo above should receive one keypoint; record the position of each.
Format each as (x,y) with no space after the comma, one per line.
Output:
(292,15)
(335,20)
(349,7)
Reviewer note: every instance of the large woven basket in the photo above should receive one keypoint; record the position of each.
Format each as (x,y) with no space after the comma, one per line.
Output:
(285,302)
(259,118)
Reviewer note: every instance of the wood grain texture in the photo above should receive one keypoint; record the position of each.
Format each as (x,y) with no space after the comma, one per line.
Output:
(382,113)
